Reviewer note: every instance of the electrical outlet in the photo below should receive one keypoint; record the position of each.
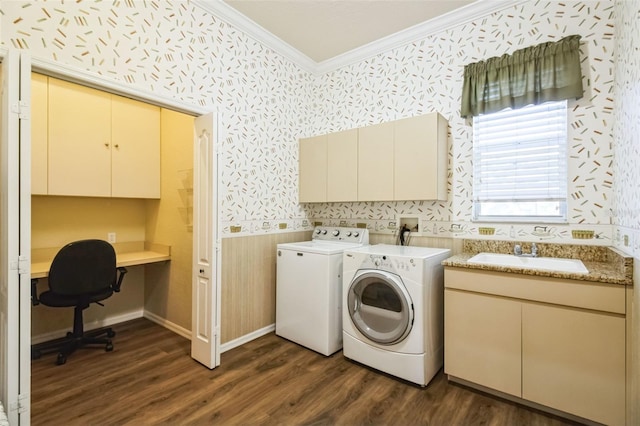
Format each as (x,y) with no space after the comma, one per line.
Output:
(111,237)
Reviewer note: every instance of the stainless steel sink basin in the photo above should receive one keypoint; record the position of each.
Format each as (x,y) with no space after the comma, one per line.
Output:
(573,266)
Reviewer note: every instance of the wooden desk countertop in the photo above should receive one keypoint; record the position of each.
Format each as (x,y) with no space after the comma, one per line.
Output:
(127,254)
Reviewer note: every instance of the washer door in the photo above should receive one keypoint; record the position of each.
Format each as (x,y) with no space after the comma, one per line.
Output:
(380,306)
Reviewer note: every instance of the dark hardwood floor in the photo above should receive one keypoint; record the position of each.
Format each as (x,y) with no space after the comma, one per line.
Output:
(149,379)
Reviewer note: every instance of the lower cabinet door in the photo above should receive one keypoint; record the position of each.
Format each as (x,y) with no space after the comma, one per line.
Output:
(574,361)
(482,340)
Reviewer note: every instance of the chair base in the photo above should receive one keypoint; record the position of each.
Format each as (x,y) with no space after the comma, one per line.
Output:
(65,346)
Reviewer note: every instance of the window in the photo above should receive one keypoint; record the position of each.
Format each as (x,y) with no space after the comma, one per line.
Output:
(520,164)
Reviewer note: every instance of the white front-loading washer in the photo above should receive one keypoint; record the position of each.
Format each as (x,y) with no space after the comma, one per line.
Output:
(309,287)
(393,314)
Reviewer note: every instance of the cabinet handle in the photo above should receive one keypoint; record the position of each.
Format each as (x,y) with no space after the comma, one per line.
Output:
(107,145)
(117,146)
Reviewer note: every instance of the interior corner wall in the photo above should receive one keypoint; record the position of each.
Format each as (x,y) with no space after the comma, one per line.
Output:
(169,221)
(627,175)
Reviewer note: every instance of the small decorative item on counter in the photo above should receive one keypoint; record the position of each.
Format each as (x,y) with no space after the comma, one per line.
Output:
(486,231)
(579,234)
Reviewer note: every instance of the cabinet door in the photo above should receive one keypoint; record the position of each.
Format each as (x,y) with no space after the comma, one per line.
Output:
(312,170)
(375,162)
(574,361)
(420,160)
(342,166)
(135,151)
(79,140)
(39,138)
(482,340)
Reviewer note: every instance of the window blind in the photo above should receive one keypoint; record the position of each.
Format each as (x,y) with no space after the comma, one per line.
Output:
(520,163)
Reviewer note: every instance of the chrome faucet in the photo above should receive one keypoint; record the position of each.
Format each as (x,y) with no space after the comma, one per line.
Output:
(517,250)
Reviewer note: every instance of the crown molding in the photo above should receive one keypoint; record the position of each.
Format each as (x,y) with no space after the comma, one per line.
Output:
(231,16)
(470,12)
(478,9)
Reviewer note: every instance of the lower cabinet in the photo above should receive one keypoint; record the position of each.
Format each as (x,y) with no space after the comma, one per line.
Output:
(567,358)
(482,340)
(574,361)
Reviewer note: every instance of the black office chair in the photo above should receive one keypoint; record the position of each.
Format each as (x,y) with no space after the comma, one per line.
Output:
(83,272)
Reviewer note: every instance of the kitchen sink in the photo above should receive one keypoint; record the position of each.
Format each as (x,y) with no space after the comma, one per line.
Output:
(574,266)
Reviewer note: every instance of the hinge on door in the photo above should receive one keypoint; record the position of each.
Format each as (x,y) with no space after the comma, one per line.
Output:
(24,265)
(23,403)
(22,109)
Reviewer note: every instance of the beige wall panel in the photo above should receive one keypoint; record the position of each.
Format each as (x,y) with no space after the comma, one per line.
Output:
(169,221)
(249,282)
(56,221)
(39,130)
(45,320)
(455,245)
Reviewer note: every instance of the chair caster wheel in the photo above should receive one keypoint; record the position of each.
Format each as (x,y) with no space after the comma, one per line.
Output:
(61,359)
(109,347)
(111,334)
(35,354)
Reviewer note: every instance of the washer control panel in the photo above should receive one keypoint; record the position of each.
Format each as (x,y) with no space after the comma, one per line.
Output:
(342,234)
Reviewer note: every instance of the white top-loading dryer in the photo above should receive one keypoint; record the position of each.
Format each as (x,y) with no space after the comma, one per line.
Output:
(309,287)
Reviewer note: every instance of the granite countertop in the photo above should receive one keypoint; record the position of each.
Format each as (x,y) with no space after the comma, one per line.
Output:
(605,264)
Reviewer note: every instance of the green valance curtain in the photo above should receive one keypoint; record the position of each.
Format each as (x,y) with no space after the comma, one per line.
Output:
(546,72)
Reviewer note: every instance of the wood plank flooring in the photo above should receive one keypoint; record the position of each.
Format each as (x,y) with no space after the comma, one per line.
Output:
(149,379)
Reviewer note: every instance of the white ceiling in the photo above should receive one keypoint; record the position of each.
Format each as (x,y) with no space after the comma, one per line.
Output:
(323,35)
(323,29)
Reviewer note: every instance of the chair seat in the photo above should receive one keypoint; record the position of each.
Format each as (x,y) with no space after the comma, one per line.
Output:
(57,300)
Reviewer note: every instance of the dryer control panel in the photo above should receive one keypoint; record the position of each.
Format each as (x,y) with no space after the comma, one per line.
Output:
(389,263)
(341,234)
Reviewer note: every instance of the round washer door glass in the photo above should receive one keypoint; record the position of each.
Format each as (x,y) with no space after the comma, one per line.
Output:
(380,306)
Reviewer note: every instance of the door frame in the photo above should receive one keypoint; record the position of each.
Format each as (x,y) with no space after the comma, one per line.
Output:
(96,81)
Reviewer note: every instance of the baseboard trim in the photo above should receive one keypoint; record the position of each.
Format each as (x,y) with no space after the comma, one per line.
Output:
(105,322)
(179,330)
(246,338)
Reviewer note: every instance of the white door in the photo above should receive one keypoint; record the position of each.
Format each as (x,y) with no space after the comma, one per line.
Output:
(15,238)
(205,320)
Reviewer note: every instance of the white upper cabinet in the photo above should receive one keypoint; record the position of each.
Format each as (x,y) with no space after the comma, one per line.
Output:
(99,145)
(395,161)
(79,140)
(312,174)
(342,171)
(375,162)
(420,158)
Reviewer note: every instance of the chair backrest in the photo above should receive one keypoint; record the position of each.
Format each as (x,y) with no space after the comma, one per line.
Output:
(83,267)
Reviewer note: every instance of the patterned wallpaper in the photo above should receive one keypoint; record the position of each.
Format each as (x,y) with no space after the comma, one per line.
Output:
(427,76)
(627,127)
(177,50)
